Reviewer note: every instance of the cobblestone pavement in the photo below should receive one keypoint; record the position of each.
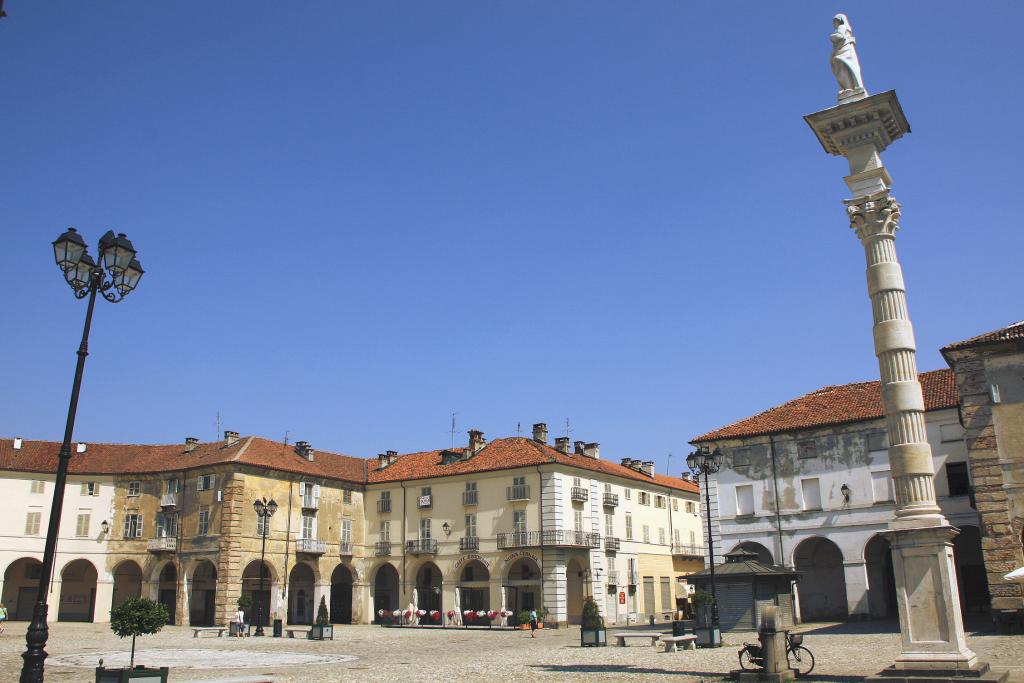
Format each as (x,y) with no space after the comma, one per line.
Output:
(843,653)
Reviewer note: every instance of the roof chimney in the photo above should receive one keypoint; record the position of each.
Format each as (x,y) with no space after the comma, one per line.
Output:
(647,467)
(540,433)
(392,457)
(230,438)
(17,443)
(81,447)
(562,444)
(476,442)
(627,462)
(382,461)
(592,450)
(304,449)
(190,443)
(578,447)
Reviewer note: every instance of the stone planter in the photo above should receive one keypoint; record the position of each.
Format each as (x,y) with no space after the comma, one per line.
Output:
(139,673)
(321,632)
(593,637)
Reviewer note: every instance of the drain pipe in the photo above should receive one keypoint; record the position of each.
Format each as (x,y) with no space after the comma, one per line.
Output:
(405,587)
(778,502)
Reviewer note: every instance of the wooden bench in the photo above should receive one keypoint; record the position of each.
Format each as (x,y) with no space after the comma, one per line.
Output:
(292,630)
(196,630)
(653,636)
(672,643)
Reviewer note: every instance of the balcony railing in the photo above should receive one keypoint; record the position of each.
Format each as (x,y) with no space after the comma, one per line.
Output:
(611,543)
(469,543)
(345,548)
(553,537)
(469,497)
(613,578)
(382,548)
(310,503)
(425,502)
(384,505)
(310,546)
(681,550)
(421,546)
(169,500)
(611,500)
(518,492)
(579,494)
(163,545)
(634,578)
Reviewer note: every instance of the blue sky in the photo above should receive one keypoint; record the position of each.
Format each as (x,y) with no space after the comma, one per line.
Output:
(358,218)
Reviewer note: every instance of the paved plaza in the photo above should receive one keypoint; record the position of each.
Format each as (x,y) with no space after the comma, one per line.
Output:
(369,653)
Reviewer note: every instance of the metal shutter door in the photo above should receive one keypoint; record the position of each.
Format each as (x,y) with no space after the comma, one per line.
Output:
(735,606)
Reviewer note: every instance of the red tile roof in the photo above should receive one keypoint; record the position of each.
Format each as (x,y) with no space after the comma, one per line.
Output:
(1008,333)
(836,405)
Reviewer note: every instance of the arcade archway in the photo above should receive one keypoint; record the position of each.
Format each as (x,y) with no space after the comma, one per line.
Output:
(21,583)
(203,594)
(341,595)
(822,584)
(385,590)
(127,583)
(77,591)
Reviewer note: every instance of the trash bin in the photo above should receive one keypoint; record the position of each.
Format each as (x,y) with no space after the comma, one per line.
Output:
(233,628)
(278,628)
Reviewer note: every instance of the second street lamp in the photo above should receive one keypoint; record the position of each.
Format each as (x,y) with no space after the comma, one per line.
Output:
(264,511)
(703,461)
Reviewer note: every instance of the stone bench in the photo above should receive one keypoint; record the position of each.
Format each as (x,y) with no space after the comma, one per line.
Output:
(653,636)
(672,643)
(197,630)
(292,630)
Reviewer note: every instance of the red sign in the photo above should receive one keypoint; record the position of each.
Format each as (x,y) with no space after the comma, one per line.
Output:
(622,598)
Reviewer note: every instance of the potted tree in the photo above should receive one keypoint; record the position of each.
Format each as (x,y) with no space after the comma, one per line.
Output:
(592,631)
(322,628)
(134,617)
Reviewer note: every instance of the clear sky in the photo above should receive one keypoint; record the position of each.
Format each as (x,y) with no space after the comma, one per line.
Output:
(358,218)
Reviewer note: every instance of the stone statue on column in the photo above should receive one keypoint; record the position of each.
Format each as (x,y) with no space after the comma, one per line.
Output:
(844,61)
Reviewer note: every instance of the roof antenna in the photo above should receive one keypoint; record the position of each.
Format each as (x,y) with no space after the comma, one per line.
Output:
(286,433)
(568,431)
(453,431)
(216,436)
(668,468)
(519,428)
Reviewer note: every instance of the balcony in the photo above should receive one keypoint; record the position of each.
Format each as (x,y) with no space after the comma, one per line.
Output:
(693,551)
(469,497)
(551,538)
(310,503)
(611,544)
(384,505)
(169,500)
(382,548)
(518,492)
(579,494)
(421,546)
(613,578)
(634,578)
(467,543)
(425,502)
(163,545)
(310,546)
(345,548)
(611,500)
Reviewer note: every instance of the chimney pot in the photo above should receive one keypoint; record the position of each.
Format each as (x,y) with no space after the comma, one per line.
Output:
(647,467)
(392,457)
(540,432)
(562,444)
(230,438)
(18,441)
(476,441)
(578,447)
(81,447)
(382,461)
(627,462)
(190,443)
(592,450)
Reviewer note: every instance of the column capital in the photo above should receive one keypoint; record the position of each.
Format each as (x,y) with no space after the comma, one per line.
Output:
(873,215)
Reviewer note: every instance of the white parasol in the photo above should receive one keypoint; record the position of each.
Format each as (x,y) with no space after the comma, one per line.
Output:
(458,606)
(1016,575)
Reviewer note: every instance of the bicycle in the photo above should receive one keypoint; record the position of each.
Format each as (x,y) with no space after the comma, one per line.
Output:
(799,657)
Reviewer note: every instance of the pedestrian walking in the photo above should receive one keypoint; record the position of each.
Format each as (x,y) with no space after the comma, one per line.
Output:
(3,617)
(533,623)
(240,620)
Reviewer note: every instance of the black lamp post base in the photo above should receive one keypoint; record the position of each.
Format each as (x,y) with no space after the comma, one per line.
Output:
(35,654)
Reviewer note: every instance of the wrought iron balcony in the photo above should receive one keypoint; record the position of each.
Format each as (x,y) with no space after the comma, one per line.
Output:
(345,548)
(310,546)
(611,500)
(310,502)
(518,492)
(469,543)
(611,543)
(169,500)
(168,544)
(613,578)
(694,551)
(425,502)
(634,578)
(421,546)
(384,505)
(382,548)
(469,498)
(552,538)
(579,494)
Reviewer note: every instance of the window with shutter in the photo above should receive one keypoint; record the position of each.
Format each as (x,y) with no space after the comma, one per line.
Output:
(38,486)
(302,488)
(32,520)
(82,527)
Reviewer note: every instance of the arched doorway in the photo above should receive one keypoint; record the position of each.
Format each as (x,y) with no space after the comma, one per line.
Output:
(203,595)
(822,586)
(258,588)
(523,585)
(341,595)
(970,571)
(167,590)
(428,587)
(474,587)
(127,583)
(21,583)
(301,584)
(77,591)
(385,590)
(881,579)
(764,556)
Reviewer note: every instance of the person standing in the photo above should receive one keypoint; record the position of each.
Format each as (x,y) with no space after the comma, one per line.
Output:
(3,617)
(240,621)
(533,623)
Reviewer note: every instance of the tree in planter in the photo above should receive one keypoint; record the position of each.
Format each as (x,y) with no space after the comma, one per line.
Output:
(137,617)
(322,617)
(592,618)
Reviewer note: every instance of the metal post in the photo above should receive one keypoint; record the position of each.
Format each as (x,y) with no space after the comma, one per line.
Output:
(711,563)
(263,576)
(38,632)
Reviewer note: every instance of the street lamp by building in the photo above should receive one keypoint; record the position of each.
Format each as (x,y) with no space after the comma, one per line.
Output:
(264,511)
(704,461)
(115,274)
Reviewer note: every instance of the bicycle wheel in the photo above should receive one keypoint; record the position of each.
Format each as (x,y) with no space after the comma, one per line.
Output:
(801,659)
(747,660)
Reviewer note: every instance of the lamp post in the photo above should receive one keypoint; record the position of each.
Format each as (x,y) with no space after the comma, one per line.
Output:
(704,461)
(114,275)
(264,511)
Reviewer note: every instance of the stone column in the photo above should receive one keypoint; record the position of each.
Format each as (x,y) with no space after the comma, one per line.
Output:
(856,575)
(860,128)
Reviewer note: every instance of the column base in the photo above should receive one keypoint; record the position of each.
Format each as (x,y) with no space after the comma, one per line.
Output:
(979,673)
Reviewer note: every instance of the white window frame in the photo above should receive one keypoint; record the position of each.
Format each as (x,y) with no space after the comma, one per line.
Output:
(134,488)
(204,521)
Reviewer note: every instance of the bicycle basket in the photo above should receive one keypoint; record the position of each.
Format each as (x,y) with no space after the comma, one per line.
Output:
(796,639)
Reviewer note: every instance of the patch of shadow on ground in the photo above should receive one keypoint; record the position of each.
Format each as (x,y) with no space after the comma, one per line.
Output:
(851,627)
(622,669)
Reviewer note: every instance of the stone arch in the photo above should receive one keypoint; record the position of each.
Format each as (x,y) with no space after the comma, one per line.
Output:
(342,579)
(881,578)
(522,585)
(385,589)
(822,585)
(259,586)
(474,590)
(164,582)
(575,586)
(970,570)
(302,582)
(764,556)
(203,593)
(127,582)
(77,591)
(428,585)
(21,585)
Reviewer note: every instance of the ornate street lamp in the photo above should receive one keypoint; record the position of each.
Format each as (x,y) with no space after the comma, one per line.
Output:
(704,461)
(114,275)
(264,511)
